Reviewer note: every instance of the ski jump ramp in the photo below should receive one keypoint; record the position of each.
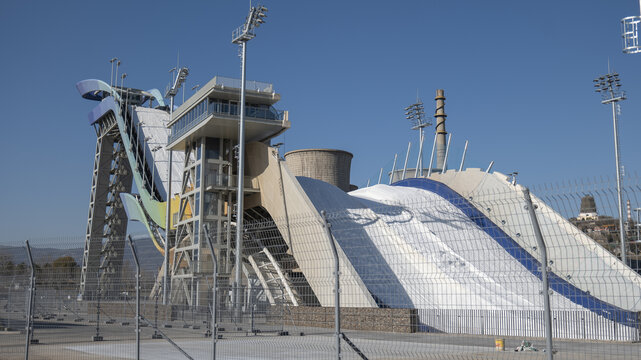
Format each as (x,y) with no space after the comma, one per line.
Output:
(460,248)
(131,139)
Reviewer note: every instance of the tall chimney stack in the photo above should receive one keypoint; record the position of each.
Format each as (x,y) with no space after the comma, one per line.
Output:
(440,129)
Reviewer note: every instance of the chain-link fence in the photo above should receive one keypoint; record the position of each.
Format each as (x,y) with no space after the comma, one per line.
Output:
(423,273)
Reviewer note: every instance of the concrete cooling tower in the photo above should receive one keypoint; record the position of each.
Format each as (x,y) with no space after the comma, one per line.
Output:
(328,165)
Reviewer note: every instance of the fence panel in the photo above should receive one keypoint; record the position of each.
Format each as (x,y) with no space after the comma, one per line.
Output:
(429,274)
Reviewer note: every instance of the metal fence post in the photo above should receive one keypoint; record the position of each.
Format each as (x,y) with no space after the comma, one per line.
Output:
(97,337)
(337,298)
(251,309)
(9,304)
(214,325)
(156,335)
(32,290)
(544,272)
(133,250)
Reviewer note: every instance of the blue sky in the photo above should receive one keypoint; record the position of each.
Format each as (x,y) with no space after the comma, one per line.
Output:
(517,76)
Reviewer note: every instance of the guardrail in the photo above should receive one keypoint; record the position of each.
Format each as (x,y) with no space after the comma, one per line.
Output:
(178,129)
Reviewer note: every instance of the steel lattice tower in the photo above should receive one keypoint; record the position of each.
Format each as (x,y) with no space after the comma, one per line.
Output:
(107,220)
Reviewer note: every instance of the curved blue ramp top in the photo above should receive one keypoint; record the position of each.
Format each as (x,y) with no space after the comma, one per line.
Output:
(158,96)
(93,89)
(99,90)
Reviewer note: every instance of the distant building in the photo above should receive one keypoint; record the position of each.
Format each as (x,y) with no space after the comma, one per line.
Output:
(588,209)
(603,229)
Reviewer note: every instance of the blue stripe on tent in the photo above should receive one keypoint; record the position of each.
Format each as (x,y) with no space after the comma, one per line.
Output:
(557,283)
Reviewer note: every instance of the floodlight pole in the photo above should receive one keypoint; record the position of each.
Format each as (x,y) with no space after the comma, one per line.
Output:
(111,78)
(419,161)
(240,192)
(165,282)
(117,66)
(181,75)
(165,267)
(416,114)
(615,122)
(608,85)
(240,36)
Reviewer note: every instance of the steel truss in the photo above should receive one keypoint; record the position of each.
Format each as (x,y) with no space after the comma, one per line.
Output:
(107,220)
(206,197)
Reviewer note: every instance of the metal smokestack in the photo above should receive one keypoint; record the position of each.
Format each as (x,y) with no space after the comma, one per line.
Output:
(440,116)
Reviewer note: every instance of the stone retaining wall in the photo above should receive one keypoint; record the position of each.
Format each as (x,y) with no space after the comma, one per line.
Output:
(128,310)
(372,319)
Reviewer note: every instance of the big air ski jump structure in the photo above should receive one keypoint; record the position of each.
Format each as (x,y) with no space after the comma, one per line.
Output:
(420,234)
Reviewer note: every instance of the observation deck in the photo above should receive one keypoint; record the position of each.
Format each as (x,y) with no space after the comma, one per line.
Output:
(214,111)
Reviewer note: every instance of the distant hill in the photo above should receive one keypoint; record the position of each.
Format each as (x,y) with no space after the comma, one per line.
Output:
(150,258)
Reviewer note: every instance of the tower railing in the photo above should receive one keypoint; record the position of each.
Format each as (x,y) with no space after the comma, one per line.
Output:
(182,126)
(250,85)
(630,34)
